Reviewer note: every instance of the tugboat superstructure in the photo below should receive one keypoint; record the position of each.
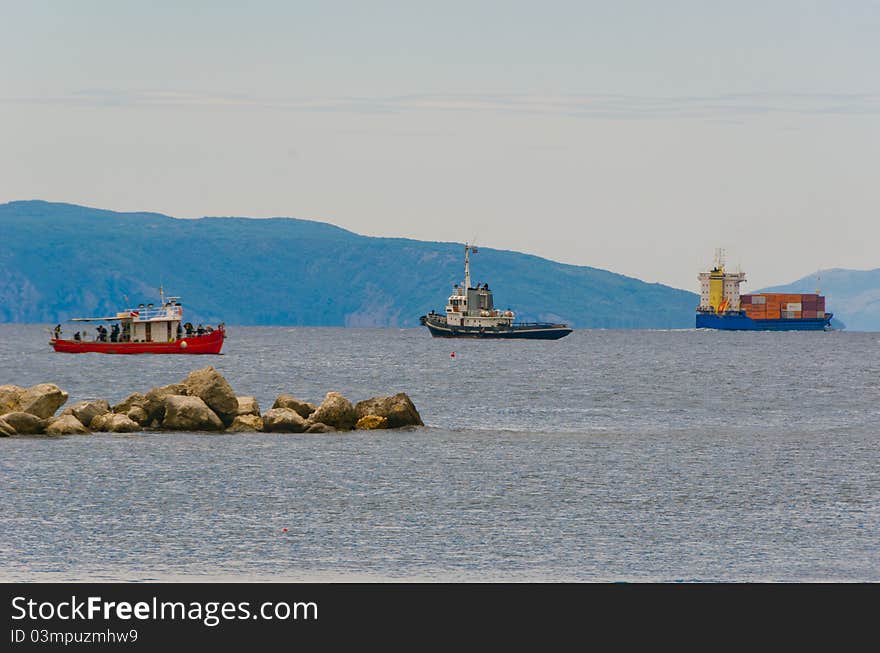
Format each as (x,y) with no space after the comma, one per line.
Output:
(471,313)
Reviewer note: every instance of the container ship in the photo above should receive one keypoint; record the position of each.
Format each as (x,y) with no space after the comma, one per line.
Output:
(722,306)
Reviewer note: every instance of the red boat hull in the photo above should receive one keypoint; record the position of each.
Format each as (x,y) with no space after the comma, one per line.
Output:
(210,343)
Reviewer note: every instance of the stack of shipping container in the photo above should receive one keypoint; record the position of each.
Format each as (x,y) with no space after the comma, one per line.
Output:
(775,306)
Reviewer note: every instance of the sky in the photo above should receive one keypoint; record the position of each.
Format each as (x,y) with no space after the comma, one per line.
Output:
(633,136)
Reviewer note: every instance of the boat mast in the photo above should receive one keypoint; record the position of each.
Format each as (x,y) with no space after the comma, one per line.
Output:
(467,266)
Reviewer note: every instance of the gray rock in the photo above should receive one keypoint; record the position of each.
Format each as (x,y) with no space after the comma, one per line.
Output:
(134,399)
(154,402)
(246,424)
(10,396)
(119,423)
(65,425)
(335,411)
(284,420)
(399,410)
(86,411)
(42,400)
(25,423)
(189,414)
(304,408)
(6,429)
(248,406)
(318,427)
(210,386)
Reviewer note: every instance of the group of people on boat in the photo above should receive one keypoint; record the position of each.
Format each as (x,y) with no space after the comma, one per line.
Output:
(121,334)
(194,331)
(115,334)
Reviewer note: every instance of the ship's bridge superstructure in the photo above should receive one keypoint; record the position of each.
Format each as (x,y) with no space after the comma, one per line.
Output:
(473,306)
(719,289)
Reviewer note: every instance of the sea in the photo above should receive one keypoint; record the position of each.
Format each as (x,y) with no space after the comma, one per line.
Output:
(606,456)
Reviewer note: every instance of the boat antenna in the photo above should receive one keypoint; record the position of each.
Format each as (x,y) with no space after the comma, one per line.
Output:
(467,266)
(719,258)
(818,277)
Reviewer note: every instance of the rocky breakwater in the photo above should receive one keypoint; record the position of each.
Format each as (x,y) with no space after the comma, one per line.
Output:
(203,401)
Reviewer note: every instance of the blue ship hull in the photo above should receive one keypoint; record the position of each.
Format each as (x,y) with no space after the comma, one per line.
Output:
(739,322)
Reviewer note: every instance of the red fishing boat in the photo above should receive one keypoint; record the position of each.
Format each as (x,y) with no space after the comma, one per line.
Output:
(143,330)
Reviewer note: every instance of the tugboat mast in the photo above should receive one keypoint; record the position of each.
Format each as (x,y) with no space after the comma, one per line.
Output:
(467,266)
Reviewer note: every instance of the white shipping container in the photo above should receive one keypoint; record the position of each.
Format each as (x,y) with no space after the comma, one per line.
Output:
(793,306)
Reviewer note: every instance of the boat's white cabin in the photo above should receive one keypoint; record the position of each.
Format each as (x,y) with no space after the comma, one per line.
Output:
(151,324)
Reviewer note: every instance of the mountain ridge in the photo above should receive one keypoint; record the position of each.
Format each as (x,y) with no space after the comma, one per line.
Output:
(63,260)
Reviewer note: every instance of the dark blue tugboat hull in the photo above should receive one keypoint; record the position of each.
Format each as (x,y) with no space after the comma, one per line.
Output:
(536,331)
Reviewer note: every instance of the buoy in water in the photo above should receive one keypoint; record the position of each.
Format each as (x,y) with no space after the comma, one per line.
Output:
(452,355)
(284,530)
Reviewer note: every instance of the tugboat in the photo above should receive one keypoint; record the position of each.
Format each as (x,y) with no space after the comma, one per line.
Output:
(470,313)
(144,330)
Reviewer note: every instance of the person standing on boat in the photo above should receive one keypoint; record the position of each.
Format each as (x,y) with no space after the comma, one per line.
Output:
(76,336)
(179,331)
(57,332)
(200,330)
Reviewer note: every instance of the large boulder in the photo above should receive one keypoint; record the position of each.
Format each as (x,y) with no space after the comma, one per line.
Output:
(189,414)
(119,423)
(246,424)
(370,422)
(65,425)
(210,386)
(25,423)
(134,399)
(42,400)
(399,410)
(335,411)
(10,396)
(304,408)
(248,406)
(154,403)
(6,429)
(284,420)
(85,411)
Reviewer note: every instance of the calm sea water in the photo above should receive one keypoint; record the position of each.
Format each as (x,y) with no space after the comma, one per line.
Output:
(604,456)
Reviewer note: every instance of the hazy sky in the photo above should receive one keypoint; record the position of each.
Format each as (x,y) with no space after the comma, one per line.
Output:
(632,136)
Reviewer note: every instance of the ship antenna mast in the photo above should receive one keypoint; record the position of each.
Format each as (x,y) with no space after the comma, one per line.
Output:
(719,258)
(467,266)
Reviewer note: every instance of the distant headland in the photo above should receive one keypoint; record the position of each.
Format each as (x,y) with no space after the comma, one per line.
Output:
(61,260)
